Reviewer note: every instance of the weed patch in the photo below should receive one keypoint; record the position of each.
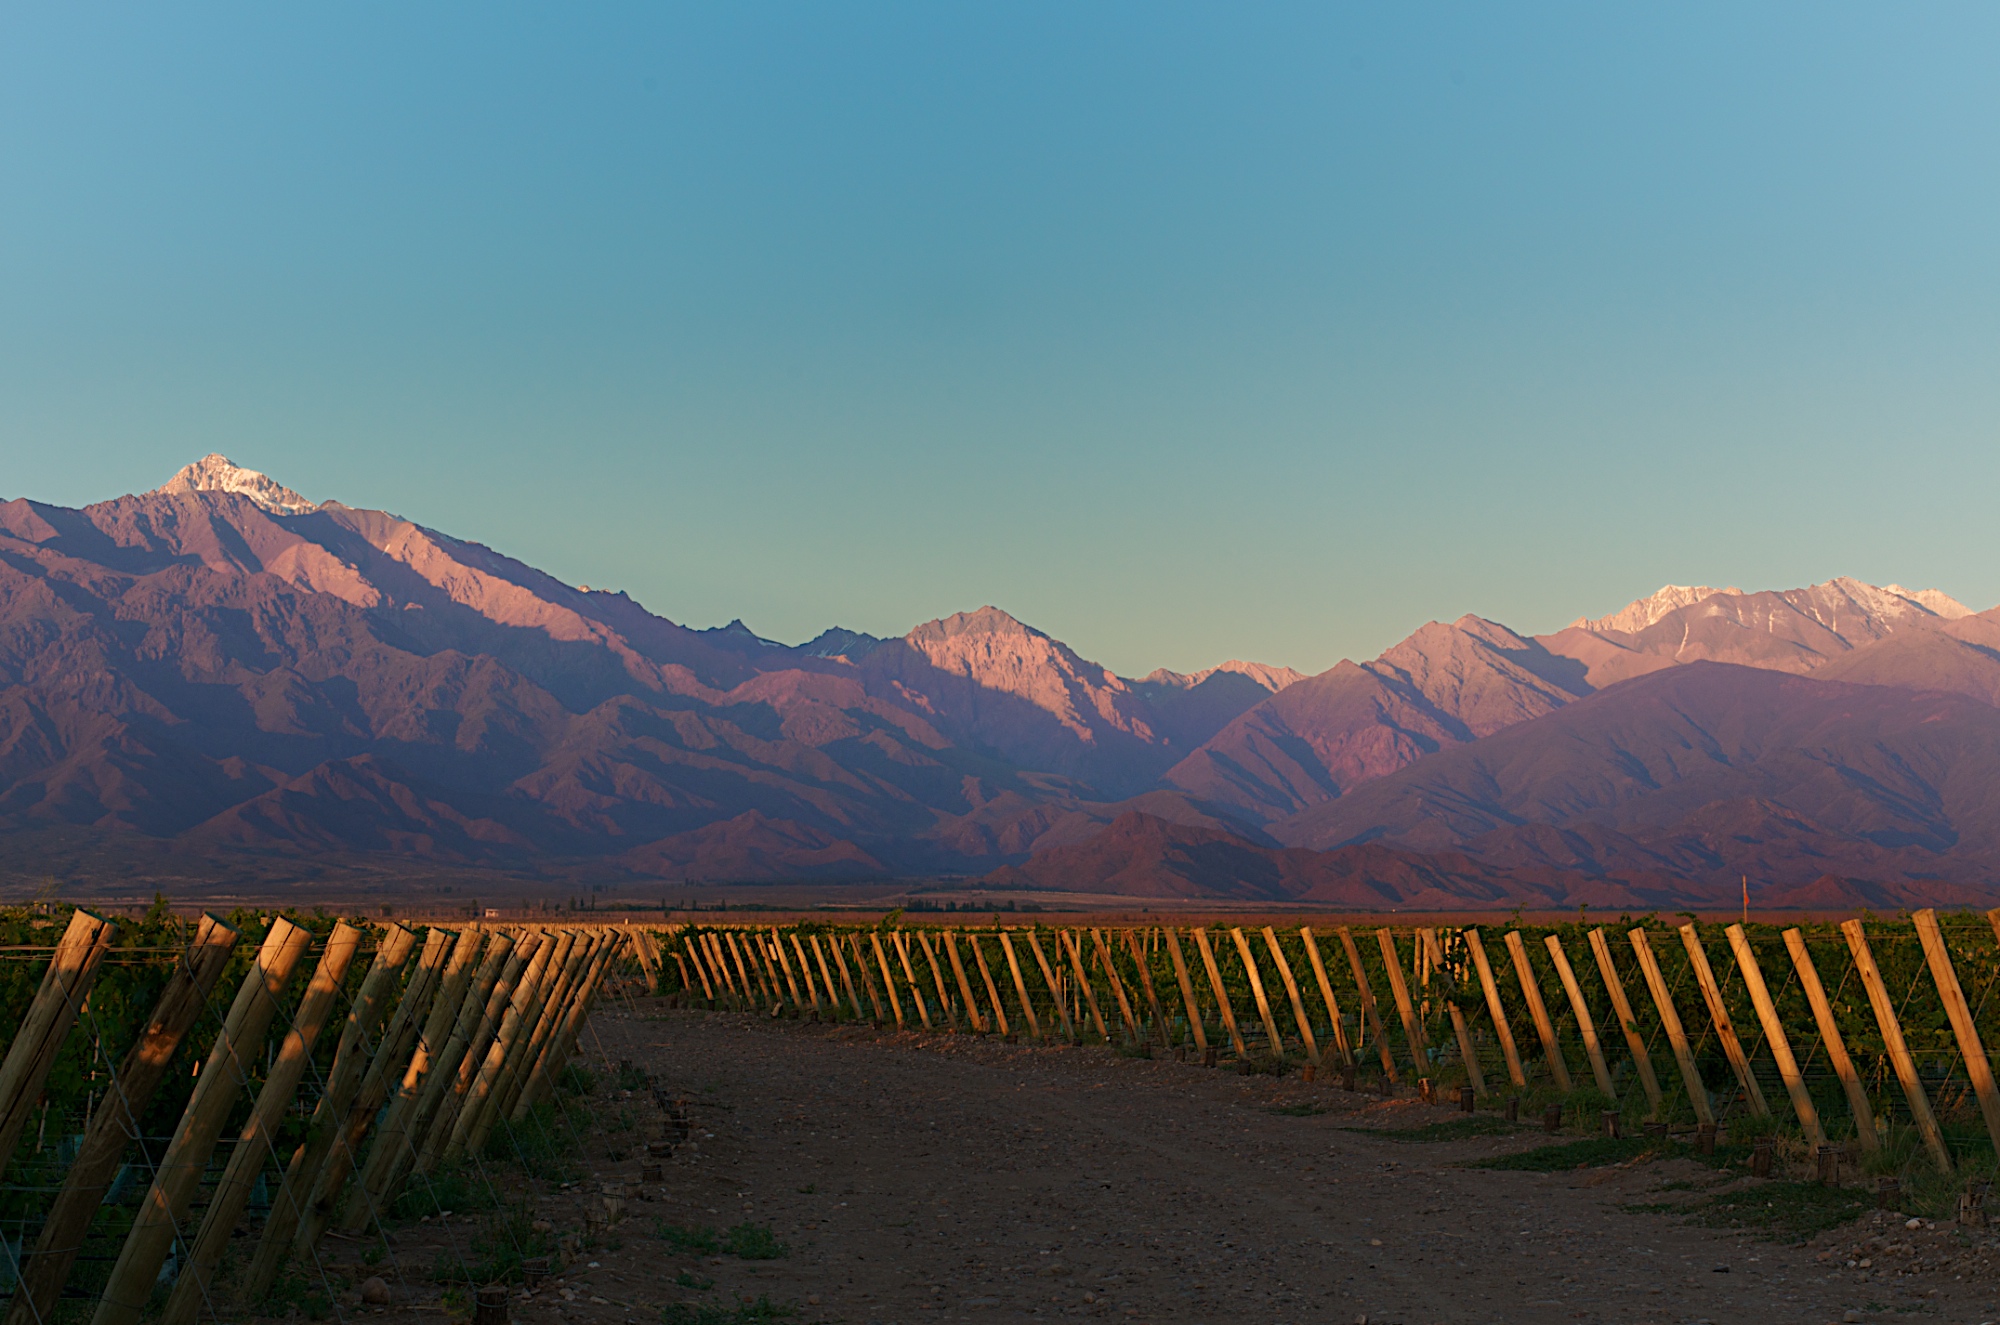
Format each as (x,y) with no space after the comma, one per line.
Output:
(689,1239)
(1786,1211)
(702,1313)
(746,1241)
(1458,1129)
(1596,1152)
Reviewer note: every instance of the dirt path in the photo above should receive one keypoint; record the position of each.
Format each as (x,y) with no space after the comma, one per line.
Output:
(919,1178)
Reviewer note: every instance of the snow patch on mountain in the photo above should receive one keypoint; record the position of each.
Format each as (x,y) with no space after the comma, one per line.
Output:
(217,473)
(1635,617)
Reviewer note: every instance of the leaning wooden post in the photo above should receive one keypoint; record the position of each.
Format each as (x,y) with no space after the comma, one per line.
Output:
(1104,959)
(1718,1014)
(1369,1011)
(1584,1025)
(1067,938)
(1830,1039)
(691,945)
(1049,979)
(1300,1018)
(785,961)
(972,1011)
(1545,1027)
(510,1037)
(929,949)
(555,999)
(116,1123)
(253,1147)
(539,1011)
(1892,1040)
(806,974)
(439,1081)
(1670,1021)
(646,962)
(1222,1003)
(72,969)
(445,1131)
(1495,1010)
(540,1065)
(826,974)
(1326,994)
(1774,1035)
(327,1129)
(1138,952)
(847,979)
(1977,1066)
(1271,1031)
(888,977)
(1021,987)
(1621,1007)
(563,1043)
(994,1001)
(396,1137)
(900,941)
(222,1078)
(1414,1041)
(1187,993)
(1468,1052)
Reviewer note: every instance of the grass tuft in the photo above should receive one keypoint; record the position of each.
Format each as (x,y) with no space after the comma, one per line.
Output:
(1458,1129)
(703,1313)
(1596,1152)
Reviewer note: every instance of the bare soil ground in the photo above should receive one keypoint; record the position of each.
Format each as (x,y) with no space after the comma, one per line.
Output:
(917,1177)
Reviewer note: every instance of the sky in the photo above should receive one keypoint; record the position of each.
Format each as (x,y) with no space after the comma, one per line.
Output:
(1182,332)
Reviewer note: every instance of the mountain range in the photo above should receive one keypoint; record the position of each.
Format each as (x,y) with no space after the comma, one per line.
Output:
(224,676)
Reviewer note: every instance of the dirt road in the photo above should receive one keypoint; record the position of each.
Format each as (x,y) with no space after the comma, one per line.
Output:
(919,1178)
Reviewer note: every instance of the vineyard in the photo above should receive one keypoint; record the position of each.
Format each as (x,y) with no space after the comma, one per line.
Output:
(170,1085)
(1850,1053)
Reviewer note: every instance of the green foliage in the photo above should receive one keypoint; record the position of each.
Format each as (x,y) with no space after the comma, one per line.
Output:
(576,1079)
(1596,1152)
(1458,1129)
(689,1239)
(754,1242)
(633,1077)
(456,1188)
(750,1242)
(543,1144)
(1782,1211)
(495,1252)
(688,1279)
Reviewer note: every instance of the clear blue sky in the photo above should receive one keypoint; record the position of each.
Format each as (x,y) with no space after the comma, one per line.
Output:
(1183,332)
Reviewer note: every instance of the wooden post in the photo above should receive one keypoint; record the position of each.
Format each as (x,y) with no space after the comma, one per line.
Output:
(1642,1062)
(433,1102)
(1138,951)
(253,1147)
(66,982)
(1977,1066)
(1067,939)
(1774,1035)
(1531,992)
(223,1075)
(888,979)
(826,976)
(791,981)
(444,1128)
(1104,959)
(509,1037)
(1299,1015)
(562,1043)
(1187,993)
(1718,1013)
(1670,1021)
(562,985)
(866,987)
(1271,1031)
(1222,1003)
(1021,987)
(692,947)
(1049,977)
(329,1130)
(1468,1052)
(1496,1010)
(116,1122)
(994,1001)
(1584,1025)
(930,946)
(1414,1041)
(1892,1040)
(1369,1012)
(902,945)
(539,1012)
(753,979)
(1829,1037)
(972,1012)
(806,974)
(637,937)
(395,1139)
(1326,993)
(547,1051)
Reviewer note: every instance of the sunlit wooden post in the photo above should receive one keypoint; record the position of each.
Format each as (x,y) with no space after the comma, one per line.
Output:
(1414,1041)
(1774,1035)
(1496,1010)
(1187,993)
(1531,993)
(253,1147)
(116,1123)
(1222,1004)
(1584,1025)
(1621,1007)
(1370,1013)
(1892,1040)
(1326,995)
(1718,1014)
(1830,1039)
(65,984)
(222,1078)
(1670,1021)
(1271,1032)
(1067,938)
(1021,986)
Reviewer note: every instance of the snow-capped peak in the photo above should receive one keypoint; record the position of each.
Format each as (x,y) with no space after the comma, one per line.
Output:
(1635,617)
(1937,600)
(216,473)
